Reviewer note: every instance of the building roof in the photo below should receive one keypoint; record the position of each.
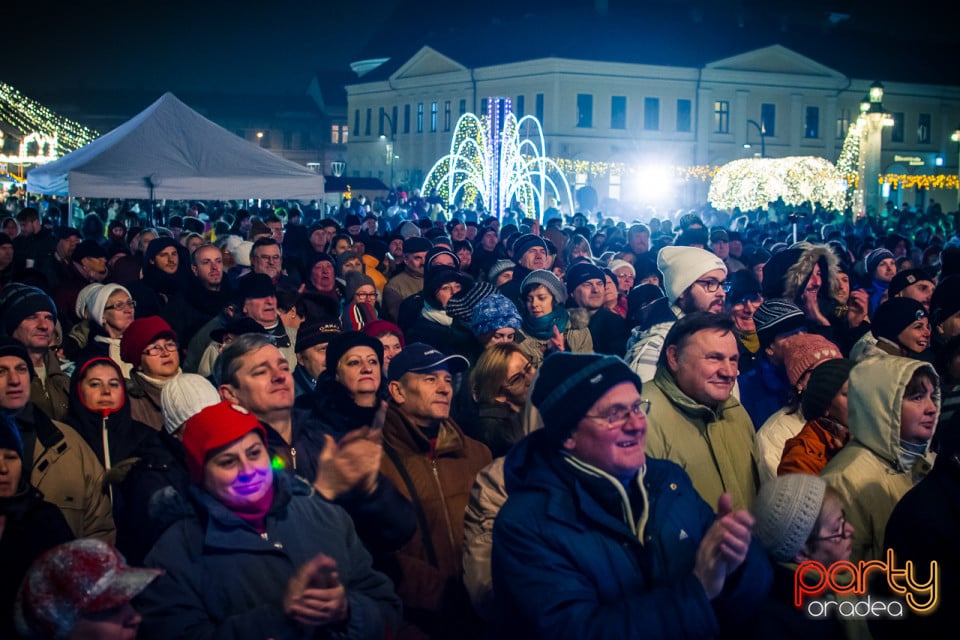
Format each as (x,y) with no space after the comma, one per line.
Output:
(866,45)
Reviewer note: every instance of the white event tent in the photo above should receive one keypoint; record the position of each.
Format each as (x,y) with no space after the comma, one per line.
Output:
(169,151)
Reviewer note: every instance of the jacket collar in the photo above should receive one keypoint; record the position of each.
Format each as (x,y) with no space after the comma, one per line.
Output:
(687,405)
(449,442)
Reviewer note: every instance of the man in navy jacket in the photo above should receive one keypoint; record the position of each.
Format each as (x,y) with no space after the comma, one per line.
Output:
(598,541)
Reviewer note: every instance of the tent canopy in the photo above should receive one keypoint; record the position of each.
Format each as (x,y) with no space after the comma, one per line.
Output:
(169,151)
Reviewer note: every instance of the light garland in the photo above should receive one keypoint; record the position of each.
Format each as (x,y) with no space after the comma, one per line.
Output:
(901,181)
(41,126)
(756,182)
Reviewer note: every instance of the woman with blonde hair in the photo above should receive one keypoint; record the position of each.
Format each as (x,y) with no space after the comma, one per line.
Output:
(500,383)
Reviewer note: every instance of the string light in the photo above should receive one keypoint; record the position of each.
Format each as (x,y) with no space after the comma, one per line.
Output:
(53,134)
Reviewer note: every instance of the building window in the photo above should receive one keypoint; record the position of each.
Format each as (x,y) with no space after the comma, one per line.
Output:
(538,107)
(356,122)
(419,117)
(446,116)
(618,113)
(768,119)
(811,123)
(614,192)
(463,107)
(923,129)
(518,107)
(684,112)
(483,107)
(335,134)
(380,120)
(343,134)
(896,131)
(393,120)
(584,110)
(721,116)
(651,114)
(843,123)
(433,117)
(406,118)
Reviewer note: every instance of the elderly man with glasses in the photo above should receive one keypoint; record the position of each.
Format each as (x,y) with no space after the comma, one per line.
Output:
(599,540)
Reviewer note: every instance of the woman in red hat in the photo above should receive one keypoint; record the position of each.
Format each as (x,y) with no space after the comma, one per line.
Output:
(258,554)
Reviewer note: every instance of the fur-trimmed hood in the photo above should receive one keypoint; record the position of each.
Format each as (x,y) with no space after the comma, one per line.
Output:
(799,272)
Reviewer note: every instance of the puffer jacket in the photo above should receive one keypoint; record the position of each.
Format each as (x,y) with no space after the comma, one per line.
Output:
(225,580)
(715,447)
(577,338)
(441,474)
(67,472)
(564,566)
(644,346)
(867,471)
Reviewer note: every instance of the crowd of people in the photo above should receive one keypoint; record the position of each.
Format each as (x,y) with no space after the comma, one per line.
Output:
(391,420)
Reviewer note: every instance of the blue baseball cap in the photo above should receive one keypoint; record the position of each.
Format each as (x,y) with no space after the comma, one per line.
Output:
(422,358)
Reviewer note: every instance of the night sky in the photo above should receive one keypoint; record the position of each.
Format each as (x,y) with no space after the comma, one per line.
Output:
(276,47)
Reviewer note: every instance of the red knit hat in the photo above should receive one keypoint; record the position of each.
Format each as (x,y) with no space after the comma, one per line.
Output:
(141,333)
(213,428)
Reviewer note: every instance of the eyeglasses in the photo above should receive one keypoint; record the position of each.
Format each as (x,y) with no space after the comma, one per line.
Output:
(710,286)
(120,306)
(365,296)
(517,378)
(842,535)
(617,415)
(161,348)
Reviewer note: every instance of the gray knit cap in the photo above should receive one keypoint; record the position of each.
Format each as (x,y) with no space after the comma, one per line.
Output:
(786,511)
(549,280)
(499,267)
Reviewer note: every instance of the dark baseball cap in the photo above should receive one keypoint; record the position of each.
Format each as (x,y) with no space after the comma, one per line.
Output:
(422,358)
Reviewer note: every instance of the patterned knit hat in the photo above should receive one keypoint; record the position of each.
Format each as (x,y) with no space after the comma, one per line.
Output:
(873,260)
(542,277)
(805,351)
(786,510)
(775,317)
(460,307)
(494,312)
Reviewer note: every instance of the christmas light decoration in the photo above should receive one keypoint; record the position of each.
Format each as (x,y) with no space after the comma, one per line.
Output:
(501,162)
(754,183)
(45,135)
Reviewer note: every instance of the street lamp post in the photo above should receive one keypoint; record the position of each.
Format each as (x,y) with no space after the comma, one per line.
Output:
(763,137)
(873,119)
(393,133)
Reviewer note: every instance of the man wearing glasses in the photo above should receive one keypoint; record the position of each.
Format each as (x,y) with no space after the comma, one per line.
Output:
(266,257)
(150,345)
(597,539)
(695,420)
(693,281)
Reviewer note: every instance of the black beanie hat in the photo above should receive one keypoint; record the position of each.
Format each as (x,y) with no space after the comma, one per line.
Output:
(526,242)
(895,315)
(436,278)
(13,347)
(343,342)
(20,301)
(945,300)
(824,384)
(568,384)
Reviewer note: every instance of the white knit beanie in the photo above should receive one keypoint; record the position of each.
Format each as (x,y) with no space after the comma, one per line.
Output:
(786,509)
(618,264)
(84,297)
(242,254)
(97,301)
(682,266)
(184,397)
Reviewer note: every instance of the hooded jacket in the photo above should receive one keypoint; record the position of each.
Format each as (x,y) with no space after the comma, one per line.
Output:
(574,557)
(867,471)
(714,446)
